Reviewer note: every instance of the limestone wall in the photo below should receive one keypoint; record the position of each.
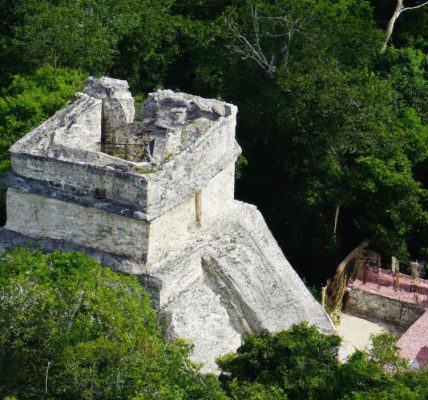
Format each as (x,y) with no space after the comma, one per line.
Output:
(117,101)
(176,180)
(193,168)
(195,139)
(372,306)
(83,178)
(83,131)
(171,231)
(76,126)
(217,196)
(43,217)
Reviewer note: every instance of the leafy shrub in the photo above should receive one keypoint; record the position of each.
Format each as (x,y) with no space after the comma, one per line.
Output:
(300,362)
(70,329)
(30,99)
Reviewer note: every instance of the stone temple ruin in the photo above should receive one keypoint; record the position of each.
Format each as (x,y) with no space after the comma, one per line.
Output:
(154,196)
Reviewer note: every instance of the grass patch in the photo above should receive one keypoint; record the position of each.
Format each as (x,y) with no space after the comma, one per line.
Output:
(140,170)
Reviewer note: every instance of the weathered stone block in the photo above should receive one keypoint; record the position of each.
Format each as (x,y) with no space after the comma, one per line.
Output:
(43,217)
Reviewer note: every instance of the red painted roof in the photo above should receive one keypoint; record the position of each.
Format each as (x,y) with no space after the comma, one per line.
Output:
(422,356)
(384,287)
(413,342)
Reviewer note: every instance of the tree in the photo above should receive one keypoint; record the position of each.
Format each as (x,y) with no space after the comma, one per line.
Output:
(360,377)
(30,99)
(399,9)
(265,31)
(337,116)
(255,391)
(299,362)
(272,34)
(72,329)
(129,39)
(385,352)
(8,64)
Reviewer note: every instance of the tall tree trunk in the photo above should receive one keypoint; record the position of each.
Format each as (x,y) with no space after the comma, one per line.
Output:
(391,23)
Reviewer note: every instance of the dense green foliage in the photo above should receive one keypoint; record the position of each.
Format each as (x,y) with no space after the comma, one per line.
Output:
(30,99)
(70,329)
(343,129)
(125,37)
(329,126)
(301,364)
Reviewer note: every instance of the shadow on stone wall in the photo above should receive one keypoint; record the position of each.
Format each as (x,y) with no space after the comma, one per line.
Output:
(377,308)
(3,190)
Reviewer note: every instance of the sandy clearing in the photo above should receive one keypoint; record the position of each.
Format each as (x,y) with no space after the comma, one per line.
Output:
(356,333)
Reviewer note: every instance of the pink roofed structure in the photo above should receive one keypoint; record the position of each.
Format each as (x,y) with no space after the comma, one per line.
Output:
(378,285)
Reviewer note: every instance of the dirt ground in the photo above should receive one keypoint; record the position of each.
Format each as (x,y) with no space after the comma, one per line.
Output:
(356,333)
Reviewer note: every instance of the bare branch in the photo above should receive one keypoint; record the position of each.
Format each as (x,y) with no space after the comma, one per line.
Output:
(250,46)
(248,50)
(414,7)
